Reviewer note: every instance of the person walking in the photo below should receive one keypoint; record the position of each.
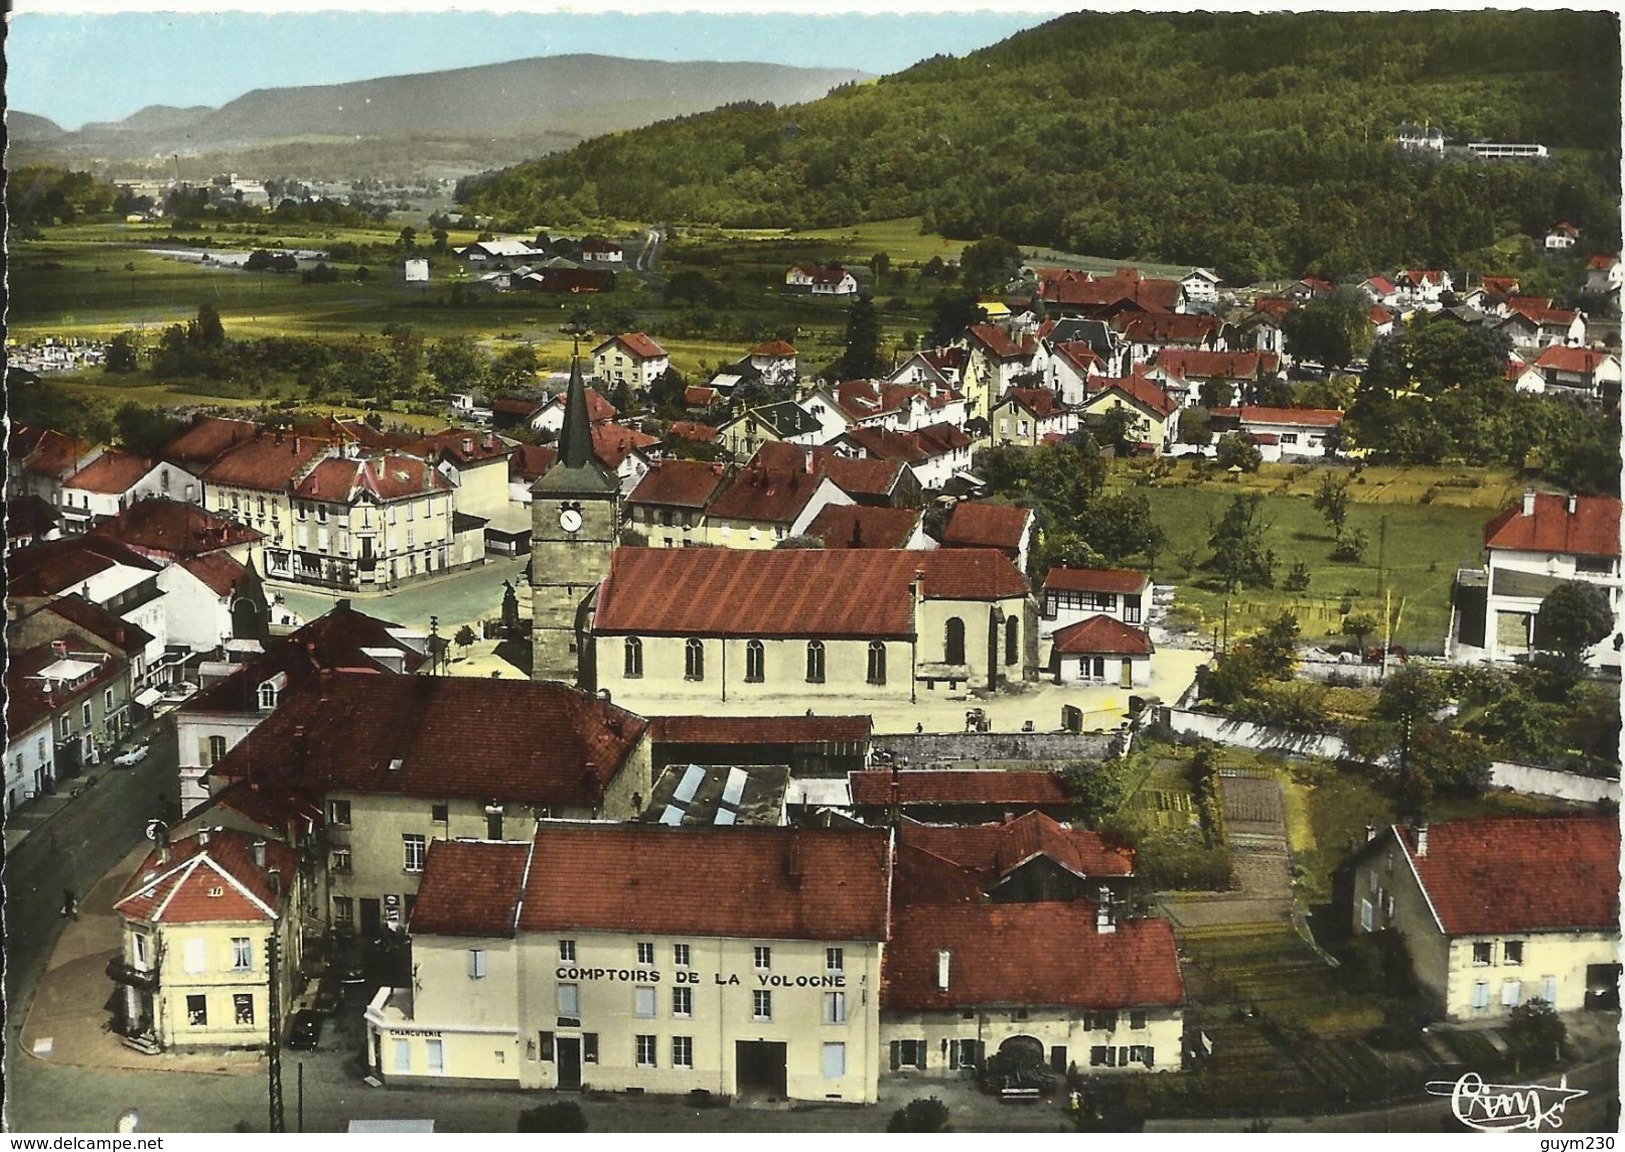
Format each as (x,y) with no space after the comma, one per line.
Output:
(70,905)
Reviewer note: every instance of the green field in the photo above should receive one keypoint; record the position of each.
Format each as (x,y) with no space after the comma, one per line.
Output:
(1419,540)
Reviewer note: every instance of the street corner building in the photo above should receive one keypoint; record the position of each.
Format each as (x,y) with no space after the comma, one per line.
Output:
(775,962)
(1499,911)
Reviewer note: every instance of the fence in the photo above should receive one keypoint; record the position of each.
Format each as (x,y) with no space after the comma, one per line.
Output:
(1550,782)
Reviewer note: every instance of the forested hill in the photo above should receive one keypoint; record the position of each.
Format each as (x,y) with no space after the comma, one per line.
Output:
(1258,143)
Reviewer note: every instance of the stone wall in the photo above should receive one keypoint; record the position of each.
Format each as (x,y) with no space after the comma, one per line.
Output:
(922,750)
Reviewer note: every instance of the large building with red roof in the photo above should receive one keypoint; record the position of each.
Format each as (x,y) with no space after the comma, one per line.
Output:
(117,479)
(1498,911)
(688,625)
(631,358)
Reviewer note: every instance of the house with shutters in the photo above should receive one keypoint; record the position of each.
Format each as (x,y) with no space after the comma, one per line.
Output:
(667,508)
(397,765)
(995,363)
(1071,369)
(1027,417)
(1533,323)
(631,358)
(678,627)
(935,453)
(1498,911)
(1579,373)
(67,704)
(1213,379)
(1201,287)
(197,922)
(1153,413)
(40,460)
(783,420)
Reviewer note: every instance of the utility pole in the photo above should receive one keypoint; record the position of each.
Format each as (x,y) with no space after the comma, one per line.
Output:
(273,1069)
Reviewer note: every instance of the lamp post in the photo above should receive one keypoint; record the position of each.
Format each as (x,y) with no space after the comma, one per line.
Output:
(434,643)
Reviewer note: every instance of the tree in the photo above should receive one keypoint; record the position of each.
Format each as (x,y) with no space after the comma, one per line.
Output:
(457,363)
(1236,451)
(861,360)
(1239,554)
(465,638)
(1096,788)
(879,264)
(1359,625)
(1331,331)
(408,238)
(210,332)
(1332,502)
(1350,548)
(121,354)
(923,1114)
(1573,617)
(515,366)
(1297,580)
(144,430)
(989,263)
(1536,1033)
(951,315)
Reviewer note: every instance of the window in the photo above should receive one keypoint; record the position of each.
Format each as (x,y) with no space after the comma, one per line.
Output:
(242,1006)
(567,950)
(834,961)
(107,700)
(755,662)
(67,728)
(1512,952)
(403,1055)
(242,954)
(435,1051)
(643,1002)
(197,1011)
(343,911)
(1136,1020)
(139,943)
(815,661)
(646,952)
(834,1061)
(645,1051)
(1102,1056)
(1481,994)
(763,957)
(834,1007)
(476,963)
(877,662)
(694,660)
(761,1004)
(680,956)
(1012,640)
(87,713)
(1483,953)
(569,1000)
(338,811)
(195,960)
(682,1001)
(682,1051)
(267,696)
(907,1054)
(1372,882)
(1367,919)
(440,813)
(1511,993)
(634,658)
(953,645)
(413,848)
(1100,1021)
(341,859)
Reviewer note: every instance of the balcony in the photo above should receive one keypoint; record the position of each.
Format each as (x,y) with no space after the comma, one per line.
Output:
(122,972)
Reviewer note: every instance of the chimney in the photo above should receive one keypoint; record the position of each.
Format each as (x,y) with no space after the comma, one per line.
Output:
(468,445)
(1105,917)
(793,867)
(944,958)
(1421,840)
(1528,501)
(342,604)
(258,850)
(1370,832)
(203,838)
(296,445)
(1573,503)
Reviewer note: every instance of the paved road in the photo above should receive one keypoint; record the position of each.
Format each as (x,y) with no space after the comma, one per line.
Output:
(74,849)
(462,597)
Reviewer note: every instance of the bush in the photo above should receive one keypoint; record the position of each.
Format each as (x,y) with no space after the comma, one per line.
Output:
(561,1116)
(923,1114)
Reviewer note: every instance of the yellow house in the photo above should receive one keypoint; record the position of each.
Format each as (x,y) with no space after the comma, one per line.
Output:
(197,922)
(690,625)
(1154,415)
(1497,912)
(732,961)
(402,761)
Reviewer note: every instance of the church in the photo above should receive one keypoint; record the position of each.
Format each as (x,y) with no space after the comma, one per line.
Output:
(654,625)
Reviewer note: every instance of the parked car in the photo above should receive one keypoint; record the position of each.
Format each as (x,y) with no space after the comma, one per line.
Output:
(305,1030)
(132,756)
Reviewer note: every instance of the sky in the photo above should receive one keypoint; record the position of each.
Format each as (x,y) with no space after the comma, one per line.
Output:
(138,58)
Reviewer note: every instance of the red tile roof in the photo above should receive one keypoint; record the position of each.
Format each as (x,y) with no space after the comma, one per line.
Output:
(1119,580)
(692,431)
(462,446)
(1101,636)
(94,620)
(760,883)
(1168,327)
(169,528)
(599,410)
(531,461)
(637,344)
(796,592)
(939,439)
(910,447)
(521,406)
(980,524)
(1541,317)
(763,730)
(1187,363)
(1274,307)
(1379,315)
(1299,417)
(1080,355)
(47,567)
(432,736)
(469,889)
(218,570)
(860,476)
(774,348)
(1592,529)
(1146,393)
(1501,285)
(210,883)
(613,443)
(997,342)
(54,454)
(774,487)
(860,526)
(991,786)
(28,517)
(1046,954)
(1521,873)
(264,463)
(1581,361)
(275,809)
(112,473)
(823,273)
(393,476)
(1381,284)
(678,483)
(699,396)
(1041,402)
(27,702)
(1082,289)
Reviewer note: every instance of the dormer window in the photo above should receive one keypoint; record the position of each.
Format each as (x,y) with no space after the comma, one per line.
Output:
(269,690)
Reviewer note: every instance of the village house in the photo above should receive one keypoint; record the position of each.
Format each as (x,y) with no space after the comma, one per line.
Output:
(504,253)
(39,460)
(1580,373)
(167,530)
(1532,547)
(752,957)
(695,624)
(66,691)
(820,280)
(252,482)
(1213,379)
(996,362)
(1071,293)
(1422,287)
(782,421)
(1562,236)
(397,765)
(935,453)
(476,464)
(197,924)
(1071,595)
(1533,323)
(775,362)
(860,526)
(1283,433)
(868,480)
(932,368)
(1154,415)
(631,358)
(1101,650)
(1145,335)
(1382,320)
(550,419)
(601,252)
(984,524)
(117,479)
(1309,289)
(1260,329)
(667,508)
(1484,924)
(1071,369)
(1379,289)
(1604,273)
(28,518)
(1201,287)
(1027,417)
(772,497)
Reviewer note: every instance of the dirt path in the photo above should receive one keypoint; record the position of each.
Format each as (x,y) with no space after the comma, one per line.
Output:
(1255,824)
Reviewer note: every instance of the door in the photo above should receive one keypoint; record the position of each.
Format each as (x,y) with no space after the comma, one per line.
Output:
(371,921)
(761,1068)
(569,1048)
(1127,679)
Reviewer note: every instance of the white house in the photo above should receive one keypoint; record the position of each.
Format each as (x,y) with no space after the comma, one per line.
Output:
(115,480)
(821,280)
(1604,273)
(1201,286)
(1581,372)
(1562,236)
(1074,594)
(1100,650)
(631,358)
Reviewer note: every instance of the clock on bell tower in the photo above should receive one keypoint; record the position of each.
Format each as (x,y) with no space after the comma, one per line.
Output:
(575,518)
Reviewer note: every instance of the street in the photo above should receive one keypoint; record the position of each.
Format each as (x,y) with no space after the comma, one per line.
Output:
(465,597)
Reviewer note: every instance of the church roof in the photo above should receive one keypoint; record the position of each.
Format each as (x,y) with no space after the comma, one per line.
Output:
(578,470)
